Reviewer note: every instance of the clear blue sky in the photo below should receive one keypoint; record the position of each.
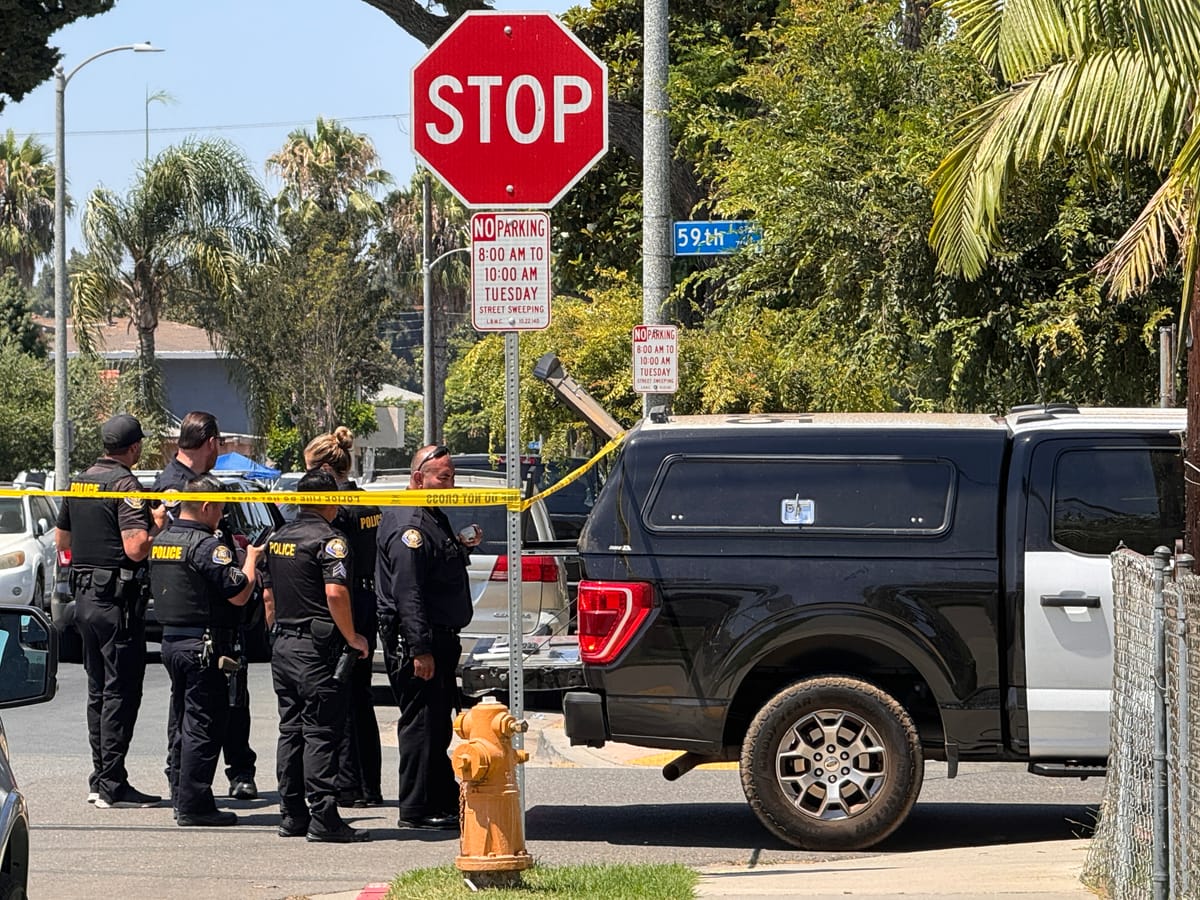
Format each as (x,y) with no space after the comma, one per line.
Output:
(247,70)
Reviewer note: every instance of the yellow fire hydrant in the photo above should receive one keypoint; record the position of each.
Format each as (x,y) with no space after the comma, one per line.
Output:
(493,839)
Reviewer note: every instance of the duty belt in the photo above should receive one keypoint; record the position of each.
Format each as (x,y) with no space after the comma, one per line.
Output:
(300,629)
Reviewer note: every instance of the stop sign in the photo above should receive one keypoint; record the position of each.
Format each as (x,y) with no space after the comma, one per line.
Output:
(509,109)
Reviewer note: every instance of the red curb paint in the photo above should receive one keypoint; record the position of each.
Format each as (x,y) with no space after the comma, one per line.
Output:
(375,891)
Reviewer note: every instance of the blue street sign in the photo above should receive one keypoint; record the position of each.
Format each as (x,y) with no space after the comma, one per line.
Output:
(706,238)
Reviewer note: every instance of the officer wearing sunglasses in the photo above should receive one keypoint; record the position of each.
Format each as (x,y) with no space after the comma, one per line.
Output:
(424,600)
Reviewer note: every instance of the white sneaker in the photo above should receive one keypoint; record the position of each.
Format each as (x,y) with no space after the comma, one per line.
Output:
(93,796)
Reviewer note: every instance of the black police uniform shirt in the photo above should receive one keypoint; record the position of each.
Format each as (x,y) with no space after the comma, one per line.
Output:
(302,557)
(421,575)
(192,575)
(96,524)
(176,476)
(360,525)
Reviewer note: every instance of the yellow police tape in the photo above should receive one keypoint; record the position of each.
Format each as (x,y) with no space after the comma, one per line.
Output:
(508,497)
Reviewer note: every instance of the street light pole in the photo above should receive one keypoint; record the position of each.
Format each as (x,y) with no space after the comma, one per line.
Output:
(61,451)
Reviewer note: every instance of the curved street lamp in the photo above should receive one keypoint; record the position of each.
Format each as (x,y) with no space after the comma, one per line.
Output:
(61,453)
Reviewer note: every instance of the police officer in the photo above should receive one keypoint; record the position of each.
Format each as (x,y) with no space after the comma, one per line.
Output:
(109,540)
(199,447)
(424,600)
(307,600)
(198,588)
(359,770)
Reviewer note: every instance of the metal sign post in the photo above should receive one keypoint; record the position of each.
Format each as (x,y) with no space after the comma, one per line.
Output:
(512,438)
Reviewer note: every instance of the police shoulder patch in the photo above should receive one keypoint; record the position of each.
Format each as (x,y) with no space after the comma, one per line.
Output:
(221,555)
(336,548)
(171,504)
(412,538)
(134,502)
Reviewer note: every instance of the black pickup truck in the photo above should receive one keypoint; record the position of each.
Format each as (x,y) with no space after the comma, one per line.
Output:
(832,599)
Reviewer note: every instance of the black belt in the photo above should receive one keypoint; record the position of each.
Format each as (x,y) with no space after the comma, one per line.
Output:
(193,631)
(198,631)
(298,630)
(444,629)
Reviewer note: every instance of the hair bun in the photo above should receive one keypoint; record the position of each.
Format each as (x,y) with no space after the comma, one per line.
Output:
(344,436)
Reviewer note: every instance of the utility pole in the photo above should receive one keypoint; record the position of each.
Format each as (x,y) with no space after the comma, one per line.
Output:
(656,175)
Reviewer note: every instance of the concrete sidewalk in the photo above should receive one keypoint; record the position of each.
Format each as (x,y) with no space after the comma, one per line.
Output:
(1045,870)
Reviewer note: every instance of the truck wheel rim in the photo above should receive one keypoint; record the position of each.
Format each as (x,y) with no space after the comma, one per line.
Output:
(831,764)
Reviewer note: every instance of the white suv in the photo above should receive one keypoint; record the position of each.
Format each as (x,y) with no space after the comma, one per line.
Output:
(27,556)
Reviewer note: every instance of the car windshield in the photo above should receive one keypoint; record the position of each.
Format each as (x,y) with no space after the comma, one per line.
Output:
(12,516)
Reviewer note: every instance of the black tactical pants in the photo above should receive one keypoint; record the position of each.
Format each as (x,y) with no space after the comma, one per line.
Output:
(359,771)
(312,716)
(427,783)
(114,658)
(199,709)
(240,758)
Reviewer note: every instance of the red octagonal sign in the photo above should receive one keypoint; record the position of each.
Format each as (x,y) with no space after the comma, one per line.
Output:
(509,109)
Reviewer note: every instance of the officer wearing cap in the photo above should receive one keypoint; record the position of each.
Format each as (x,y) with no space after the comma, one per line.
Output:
(361,757)
(424,600)
(198,448)
(307,598)
(109,540)
(198,589)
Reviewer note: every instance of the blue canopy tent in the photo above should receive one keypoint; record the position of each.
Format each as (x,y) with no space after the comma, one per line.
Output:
(237,464)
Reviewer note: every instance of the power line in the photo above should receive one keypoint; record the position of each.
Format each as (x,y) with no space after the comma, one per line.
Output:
(245,126)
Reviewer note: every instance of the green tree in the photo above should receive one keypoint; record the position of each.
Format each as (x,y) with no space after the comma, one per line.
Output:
(26,59)
(26,205)
(397,260)
(182,237)
(26,411)
(843,125)
(1114,79)
(16,322)
(590,335)
(307,327)
(333,169)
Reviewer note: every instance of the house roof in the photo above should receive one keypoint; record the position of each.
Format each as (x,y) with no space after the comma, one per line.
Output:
(172,340)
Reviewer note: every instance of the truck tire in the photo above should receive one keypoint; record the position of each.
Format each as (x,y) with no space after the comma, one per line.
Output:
(857,802)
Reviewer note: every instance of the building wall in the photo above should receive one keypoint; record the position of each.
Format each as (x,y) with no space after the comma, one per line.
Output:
(205,384)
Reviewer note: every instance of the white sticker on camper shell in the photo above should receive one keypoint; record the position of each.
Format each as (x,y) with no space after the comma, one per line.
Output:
(798,512)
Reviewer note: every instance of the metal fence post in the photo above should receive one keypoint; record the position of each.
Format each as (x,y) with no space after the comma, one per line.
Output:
(1159,877)
(1184,563)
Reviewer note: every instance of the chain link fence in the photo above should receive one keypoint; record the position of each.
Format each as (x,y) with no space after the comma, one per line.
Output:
(1120,859)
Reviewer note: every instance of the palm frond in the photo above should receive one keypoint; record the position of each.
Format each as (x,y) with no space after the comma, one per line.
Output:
(1143,252)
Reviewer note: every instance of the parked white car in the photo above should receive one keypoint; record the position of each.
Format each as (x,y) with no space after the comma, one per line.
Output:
(27,557)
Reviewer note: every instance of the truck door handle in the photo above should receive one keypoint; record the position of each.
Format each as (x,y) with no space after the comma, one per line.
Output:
(1068,599)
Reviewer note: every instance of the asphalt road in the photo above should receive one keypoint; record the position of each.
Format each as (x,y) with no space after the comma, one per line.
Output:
(573,815)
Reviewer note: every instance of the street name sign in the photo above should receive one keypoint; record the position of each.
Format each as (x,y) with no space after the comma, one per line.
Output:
(715,237)
(655,359)
(510,271)
(509,110)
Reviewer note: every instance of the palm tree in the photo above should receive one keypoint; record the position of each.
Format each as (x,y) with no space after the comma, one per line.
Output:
(26,206)
(334,171)
(1114,79)
(195,218)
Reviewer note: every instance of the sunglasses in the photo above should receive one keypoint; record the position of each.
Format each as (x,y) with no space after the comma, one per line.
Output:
(435,453)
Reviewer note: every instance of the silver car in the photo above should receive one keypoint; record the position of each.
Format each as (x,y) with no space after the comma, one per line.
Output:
(543,577)
(28,674)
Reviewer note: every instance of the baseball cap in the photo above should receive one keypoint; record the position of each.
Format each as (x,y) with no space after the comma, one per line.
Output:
(121,431)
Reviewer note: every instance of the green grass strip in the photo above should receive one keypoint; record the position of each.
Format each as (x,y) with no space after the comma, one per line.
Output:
(615,882)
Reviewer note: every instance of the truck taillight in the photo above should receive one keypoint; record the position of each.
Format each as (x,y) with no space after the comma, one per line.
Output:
(610,613)
(64,557)
(533,568)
